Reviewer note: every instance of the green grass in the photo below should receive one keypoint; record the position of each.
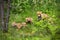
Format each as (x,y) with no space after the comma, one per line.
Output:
(31,32)
(36,31)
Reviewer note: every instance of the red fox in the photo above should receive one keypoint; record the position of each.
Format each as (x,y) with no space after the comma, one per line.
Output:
(29,20)
(41,15)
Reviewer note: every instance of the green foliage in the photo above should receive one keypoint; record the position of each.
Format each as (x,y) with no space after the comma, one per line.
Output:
(39,30)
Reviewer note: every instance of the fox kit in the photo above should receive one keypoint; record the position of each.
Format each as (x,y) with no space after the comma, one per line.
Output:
(41,15)
(29,20)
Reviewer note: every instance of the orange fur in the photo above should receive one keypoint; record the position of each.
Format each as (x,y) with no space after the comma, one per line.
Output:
(19,25)
(24,24)
(29,19)
(42,15)
(39,12)
(14,24)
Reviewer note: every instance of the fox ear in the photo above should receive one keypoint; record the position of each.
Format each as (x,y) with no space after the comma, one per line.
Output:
(39,12)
